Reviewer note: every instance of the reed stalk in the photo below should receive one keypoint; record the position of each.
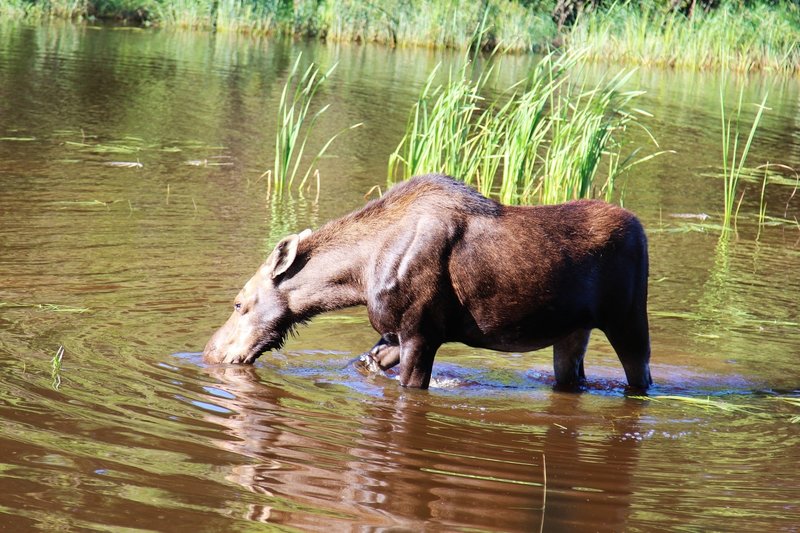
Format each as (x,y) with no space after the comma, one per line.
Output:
(55,368)
(762,206)
(446,131)
(734,159)
(294,126)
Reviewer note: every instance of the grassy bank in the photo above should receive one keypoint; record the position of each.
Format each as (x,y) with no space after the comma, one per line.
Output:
(744,36)
(760,37)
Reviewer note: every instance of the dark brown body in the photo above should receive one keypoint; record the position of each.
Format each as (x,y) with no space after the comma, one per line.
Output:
(436,262)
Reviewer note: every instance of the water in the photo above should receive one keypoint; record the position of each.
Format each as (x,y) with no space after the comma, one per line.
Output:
(131,267)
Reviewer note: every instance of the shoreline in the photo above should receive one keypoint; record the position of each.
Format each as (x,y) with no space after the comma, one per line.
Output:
(758,38)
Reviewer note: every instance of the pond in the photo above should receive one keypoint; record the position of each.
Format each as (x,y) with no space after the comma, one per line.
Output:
(132,211)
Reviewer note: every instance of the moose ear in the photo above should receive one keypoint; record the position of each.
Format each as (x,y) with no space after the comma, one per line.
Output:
(284,253)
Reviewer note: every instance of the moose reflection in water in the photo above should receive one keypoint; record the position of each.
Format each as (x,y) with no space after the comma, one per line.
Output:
(434,261)
(401,459)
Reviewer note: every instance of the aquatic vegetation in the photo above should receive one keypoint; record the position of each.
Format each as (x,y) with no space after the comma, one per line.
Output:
(55,370)
(706,403)
(190,14)
(588,129)
(125,164)
(45,307)
(733,159)
(446,134)
(744,408)
(18,139)
(794,402)
(724,35)
(762,207)
(295,124)
(730,37)
(480,477)
(547,142)
(35,11)
(437,24)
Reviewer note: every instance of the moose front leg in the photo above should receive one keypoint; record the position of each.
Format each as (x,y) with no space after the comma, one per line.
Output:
(387,352)
(383,356)
(416,361)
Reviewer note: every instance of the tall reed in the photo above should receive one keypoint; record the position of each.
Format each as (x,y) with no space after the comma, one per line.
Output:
(588,135)
(729,37)
(524,124)
(437,23)
(55,367)
(733,160)
(445,132)
(545,140)
(294,126)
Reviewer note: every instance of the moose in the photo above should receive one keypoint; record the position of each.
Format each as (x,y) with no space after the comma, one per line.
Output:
(434,261)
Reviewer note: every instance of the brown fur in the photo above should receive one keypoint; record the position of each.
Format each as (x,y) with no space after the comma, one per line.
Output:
(434,262)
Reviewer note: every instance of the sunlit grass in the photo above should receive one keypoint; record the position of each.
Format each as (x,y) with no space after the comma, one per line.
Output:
(545,140)
(45,307)
(588,134)
(714,404)
(437,23)
(55,368)
(191,14)
(37,11)
(446,132)
(734,157)
(481,477)
(729,37)
(294,126)
(18,139)
(793,401)
(706,404)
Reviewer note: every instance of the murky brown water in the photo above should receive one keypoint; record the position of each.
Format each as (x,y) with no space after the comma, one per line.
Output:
(131,269)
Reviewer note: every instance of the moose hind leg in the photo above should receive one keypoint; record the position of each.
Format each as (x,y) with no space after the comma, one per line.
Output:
(631,341)
(568,353)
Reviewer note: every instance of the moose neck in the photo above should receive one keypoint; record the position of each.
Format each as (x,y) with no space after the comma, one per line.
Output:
(328,274)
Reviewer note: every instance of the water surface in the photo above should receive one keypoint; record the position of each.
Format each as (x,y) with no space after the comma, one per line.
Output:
(131,212)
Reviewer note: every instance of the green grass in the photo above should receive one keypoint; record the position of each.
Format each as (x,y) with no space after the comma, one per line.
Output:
(56,308)
(446,132)
(588,135)
(794,402)
(706,403)
(758,35)
(437,23)
(549,139)
(294,126)
(191,14)
(55,368)
(731,37)
(762,206)
(37,11)
(741,409)
(734,157)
